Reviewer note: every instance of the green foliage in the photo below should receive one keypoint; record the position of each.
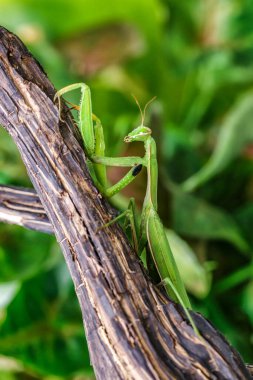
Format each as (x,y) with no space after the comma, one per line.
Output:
(196,277)
(42,326)
(197,58)
(206,222)
(235,134)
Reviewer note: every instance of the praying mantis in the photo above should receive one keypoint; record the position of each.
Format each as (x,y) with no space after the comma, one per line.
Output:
(148,232)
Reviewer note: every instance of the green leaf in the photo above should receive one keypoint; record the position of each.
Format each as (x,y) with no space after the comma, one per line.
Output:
(244,217)
(12,169)
(247,304)
(234,279)
(194,275)
(43,328)
(196,218)
(8,292)
(235,133)
(80,15)
(24,253)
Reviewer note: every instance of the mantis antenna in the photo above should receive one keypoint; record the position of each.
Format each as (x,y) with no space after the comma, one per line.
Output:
(143,113)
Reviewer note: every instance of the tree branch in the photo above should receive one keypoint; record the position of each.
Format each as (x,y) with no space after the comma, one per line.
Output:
(23,207)
(133,330)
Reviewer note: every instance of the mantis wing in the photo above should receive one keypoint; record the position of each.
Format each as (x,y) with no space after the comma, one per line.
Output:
(163,257)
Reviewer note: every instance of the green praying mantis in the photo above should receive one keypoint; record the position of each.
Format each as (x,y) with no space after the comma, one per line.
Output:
(148,232)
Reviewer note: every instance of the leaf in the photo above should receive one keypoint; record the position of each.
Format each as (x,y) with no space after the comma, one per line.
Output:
(8,292)
(43,328)
(247,304)
(82,15)
(196,218)
(194,275)
(244,217)
(234,279)
(236,132)
(24,253)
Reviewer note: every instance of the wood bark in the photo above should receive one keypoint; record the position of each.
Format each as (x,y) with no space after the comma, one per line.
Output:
(133,330)
(23,207)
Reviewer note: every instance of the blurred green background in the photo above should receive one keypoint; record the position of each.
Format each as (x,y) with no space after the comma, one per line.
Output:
(197,58)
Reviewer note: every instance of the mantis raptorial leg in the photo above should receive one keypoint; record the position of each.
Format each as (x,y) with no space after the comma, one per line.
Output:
(150,231)
(93,139)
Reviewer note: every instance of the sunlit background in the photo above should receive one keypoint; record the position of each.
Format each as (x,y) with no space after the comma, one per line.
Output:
(197,57)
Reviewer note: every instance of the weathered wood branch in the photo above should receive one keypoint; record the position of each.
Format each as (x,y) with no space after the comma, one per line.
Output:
(133,330)
(23,207)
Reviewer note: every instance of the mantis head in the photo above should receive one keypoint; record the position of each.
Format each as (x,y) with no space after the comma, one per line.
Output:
(140,133)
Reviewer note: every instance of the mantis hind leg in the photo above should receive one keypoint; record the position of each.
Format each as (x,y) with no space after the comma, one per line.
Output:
(131,217)
(167,281)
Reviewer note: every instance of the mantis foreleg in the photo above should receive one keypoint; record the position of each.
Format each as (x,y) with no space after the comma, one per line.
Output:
(93,139)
